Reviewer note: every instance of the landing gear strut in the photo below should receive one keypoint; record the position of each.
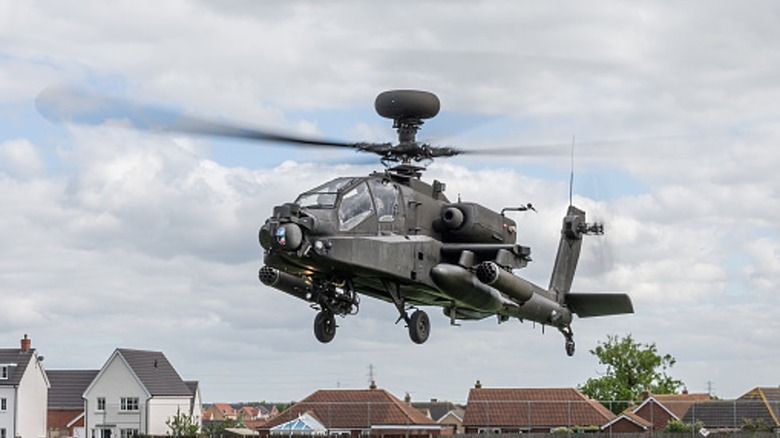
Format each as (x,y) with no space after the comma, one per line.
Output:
(568,334)
(331,298)
(419,324)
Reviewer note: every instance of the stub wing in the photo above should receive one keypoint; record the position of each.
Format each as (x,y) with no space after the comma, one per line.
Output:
(587,305)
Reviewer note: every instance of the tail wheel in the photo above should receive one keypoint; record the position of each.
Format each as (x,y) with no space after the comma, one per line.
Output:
(570,348)
(419,327)
(324,326)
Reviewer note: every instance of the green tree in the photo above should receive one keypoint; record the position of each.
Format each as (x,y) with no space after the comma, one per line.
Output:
(182,424)
(631,368)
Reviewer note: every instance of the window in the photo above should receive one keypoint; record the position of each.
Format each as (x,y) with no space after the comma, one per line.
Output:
(2,433)
(385,199)
(3,405)
(128,433)
(323,196)
(101,403)
(128,404)
(3,372)
(355,207)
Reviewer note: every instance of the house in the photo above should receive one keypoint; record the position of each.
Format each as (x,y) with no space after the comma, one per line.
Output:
(65,416)
(24,388)
(134,393)
(659,409)
(627,422)
(267,411)
(522,410)
(352,412)
(759,406)
(220,412)
(442,412)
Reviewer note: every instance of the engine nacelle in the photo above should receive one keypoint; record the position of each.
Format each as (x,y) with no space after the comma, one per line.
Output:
(461,285)
(473,223)
(513,286)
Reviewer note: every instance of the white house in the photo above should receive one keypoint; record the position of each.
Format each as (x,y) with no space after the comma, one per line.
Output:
(23,392)
(134,393)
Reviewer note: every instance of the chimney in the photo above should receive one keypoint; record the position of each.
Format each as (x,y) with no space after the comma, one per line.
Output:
(26,343)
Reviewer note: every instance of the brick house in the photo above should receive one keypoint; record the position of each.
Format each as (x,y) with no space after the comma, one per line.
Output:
(759,405)
(352,412)
(531,410)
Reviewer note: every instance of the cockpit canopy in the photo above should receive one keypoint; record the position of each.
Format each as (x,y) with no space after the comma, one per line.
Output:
(356,199)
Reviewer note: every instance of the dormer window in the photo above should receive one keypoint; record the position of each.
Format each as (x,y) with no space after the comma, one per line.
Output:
(4,372)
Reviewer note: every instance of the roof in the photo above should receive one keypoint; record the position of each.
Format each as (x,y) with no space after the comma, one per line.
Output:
(353,409)
(155,373)
(437,409)
(757,404)
(532,407)
(19,359)
(770,398)
(631,417)
(68,386)
(676,404)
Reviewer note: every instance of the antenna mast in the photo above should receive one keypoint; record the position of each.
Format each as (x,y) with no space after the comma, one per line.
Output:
(571,174)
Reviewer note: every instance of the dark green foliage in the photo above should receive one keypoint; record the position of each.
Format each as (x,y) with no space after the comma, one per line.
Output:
(631,368)
(678,426)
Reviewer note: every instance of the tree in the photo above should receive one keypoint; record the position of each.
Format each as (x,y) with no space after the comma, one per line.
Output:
(631,368)
(182,424)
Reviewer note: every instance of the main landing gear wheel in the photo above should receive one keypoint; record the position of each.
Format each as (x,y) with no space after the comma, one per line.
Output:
(325,326)
(419,327)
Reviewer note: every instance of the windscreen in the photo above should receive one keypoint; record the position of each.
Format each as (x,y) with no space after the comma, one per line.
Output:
(323,196)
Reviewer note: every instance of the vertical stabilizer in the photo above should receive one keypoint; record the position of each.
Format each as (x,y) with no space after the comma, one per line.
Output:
(574,227)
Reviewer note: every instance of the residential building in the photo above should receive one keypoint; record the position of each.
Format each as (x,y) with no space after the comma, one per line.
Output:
(442,412)
(24,388)
(66,403)
(134,393)
(220,412)
(758,406)
(627,422)
(659,409)
(522,410)
(352,412)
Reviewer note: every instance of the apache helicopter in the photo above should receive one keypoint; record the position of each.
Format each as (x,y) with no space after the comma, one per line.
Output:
(392,236)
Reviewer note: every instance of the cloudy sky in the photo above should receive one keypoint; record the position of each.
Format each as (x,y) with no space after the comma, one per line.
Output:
(113,237)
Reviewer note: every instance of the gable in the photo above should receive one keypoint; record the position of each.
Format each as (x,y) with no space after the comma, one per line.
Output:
(117,376)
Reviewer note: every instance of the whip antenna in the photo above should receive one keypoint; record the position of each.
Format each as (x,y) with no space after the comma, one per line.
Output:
(571,174)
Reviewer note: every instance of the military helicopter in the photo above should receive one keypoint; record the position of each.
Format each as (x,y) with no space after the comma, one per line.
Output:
(391,236)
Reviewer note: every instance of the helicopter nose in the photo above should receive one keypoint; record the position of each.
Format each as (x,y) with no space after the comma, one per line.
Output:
(288,236)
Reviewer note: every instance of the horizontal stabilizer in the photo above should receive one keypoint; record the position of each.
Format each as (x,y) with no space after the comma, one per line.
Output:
(599,304)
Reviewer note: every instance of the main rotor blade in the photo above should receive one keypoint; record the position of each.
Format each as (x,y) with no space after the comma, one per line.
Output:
(62,104)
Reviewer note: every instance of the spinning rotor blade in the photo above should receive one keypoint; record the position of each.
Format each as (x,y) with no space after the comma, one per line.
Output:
(61,104)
